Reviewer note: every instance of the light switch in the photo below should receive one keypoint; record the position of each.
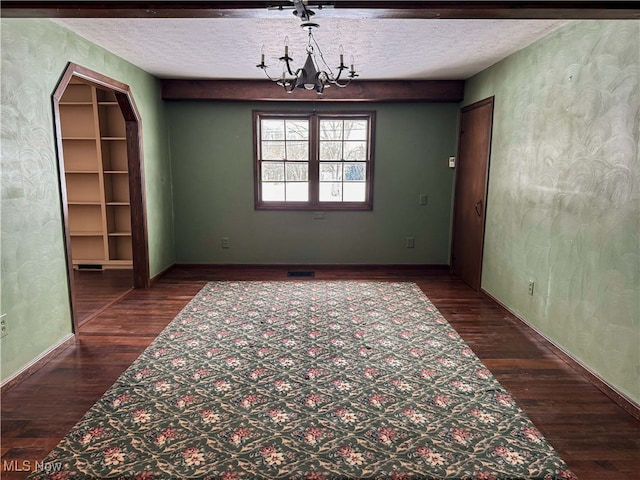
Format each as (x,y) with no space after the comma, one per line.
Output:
(423,199)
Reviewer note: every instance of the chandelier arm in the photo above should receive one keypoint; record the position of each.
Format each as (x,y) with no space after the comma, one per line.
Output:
(291,86)
(340,69)
(282,80)
(342,85)
(286,59)
(264,69)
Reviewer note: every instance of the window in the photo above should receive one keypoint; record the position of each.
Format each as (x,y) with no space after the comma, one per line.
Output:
(314,161)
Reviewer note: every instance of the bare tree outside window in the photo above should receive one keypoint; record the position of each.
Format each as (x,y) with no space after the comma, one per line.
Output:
(343,140)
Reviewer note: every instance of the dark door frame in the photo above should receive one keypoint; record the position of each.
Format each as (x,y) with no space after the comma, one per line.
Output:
(133,125)
(478,104)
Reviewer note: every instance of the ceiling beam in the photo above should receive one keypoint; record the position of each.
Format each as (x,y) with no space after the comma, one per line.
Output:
(358,91)
(357,9)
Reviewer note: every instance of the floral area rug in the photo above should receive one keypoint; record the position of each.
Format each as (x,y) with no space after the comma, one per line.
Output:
(307,380)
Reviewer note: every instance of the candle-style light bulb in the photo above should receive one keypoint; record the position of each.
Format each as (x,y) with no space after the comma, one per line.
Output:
(262,56)
(352,70)
(286,46)
(341,56)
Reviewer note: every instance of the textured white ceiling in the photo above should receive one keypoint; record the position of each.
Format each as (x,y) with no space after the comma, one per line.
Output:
(383,49)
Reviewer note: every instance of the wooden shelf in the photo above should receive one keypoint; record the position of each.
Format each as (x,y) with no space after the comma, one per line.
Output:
(114,155)
(83,188)
(97,176)
(120,248)
(118,219)
(116,189)
(106,96)
(77,93)
(88,249)
(87,234)
(111,121)
(78,121)
(85,219)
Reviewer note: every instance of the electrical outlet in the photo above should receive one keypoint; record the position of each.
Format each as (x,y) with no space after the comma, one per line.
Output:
(423,199)
(318,215)
(411,242)
(225,242)
(531,285)
(452,162)
(3,326)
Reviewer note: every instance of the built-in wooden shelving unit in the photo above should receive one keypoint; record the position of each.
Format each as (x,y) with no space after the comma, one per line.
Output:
(97,177)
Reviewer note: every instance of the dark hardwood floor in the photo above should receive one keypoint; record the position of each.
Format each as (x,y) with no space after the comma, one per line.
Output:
(597,438)
(96,289)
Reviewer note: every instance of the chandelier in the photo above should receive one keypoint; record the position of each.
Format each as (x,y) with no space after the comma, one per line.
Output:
(315,74)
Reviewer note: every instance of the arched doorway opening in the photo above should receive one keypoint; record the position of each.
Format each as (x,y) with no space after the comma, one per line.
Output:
(98,134)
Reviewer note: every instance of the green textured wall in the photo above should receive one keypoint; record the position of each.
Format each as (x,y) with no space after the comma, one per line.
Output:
(564,192)
(211,151)
(34,277)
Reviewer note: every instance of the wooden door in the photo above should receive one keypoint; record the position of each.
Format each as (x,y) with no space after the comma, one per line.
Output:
(474,148)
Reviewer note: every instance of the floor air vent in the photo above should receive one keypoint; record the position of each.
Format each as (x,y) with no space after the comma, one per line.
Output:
(88,266)
(301,274)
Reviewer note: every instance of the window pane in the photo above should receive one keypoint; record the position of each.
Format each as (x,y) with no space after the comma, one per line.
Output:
(272,150)
(297,150)
(272,192)
(330,171)
(297,129)
(331,129)
(355,171)
(355,129)
(272,129)
(297,172)
(355,150)
(298,192)
(272,172)
(330,191)
(330,151)
(354,192)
